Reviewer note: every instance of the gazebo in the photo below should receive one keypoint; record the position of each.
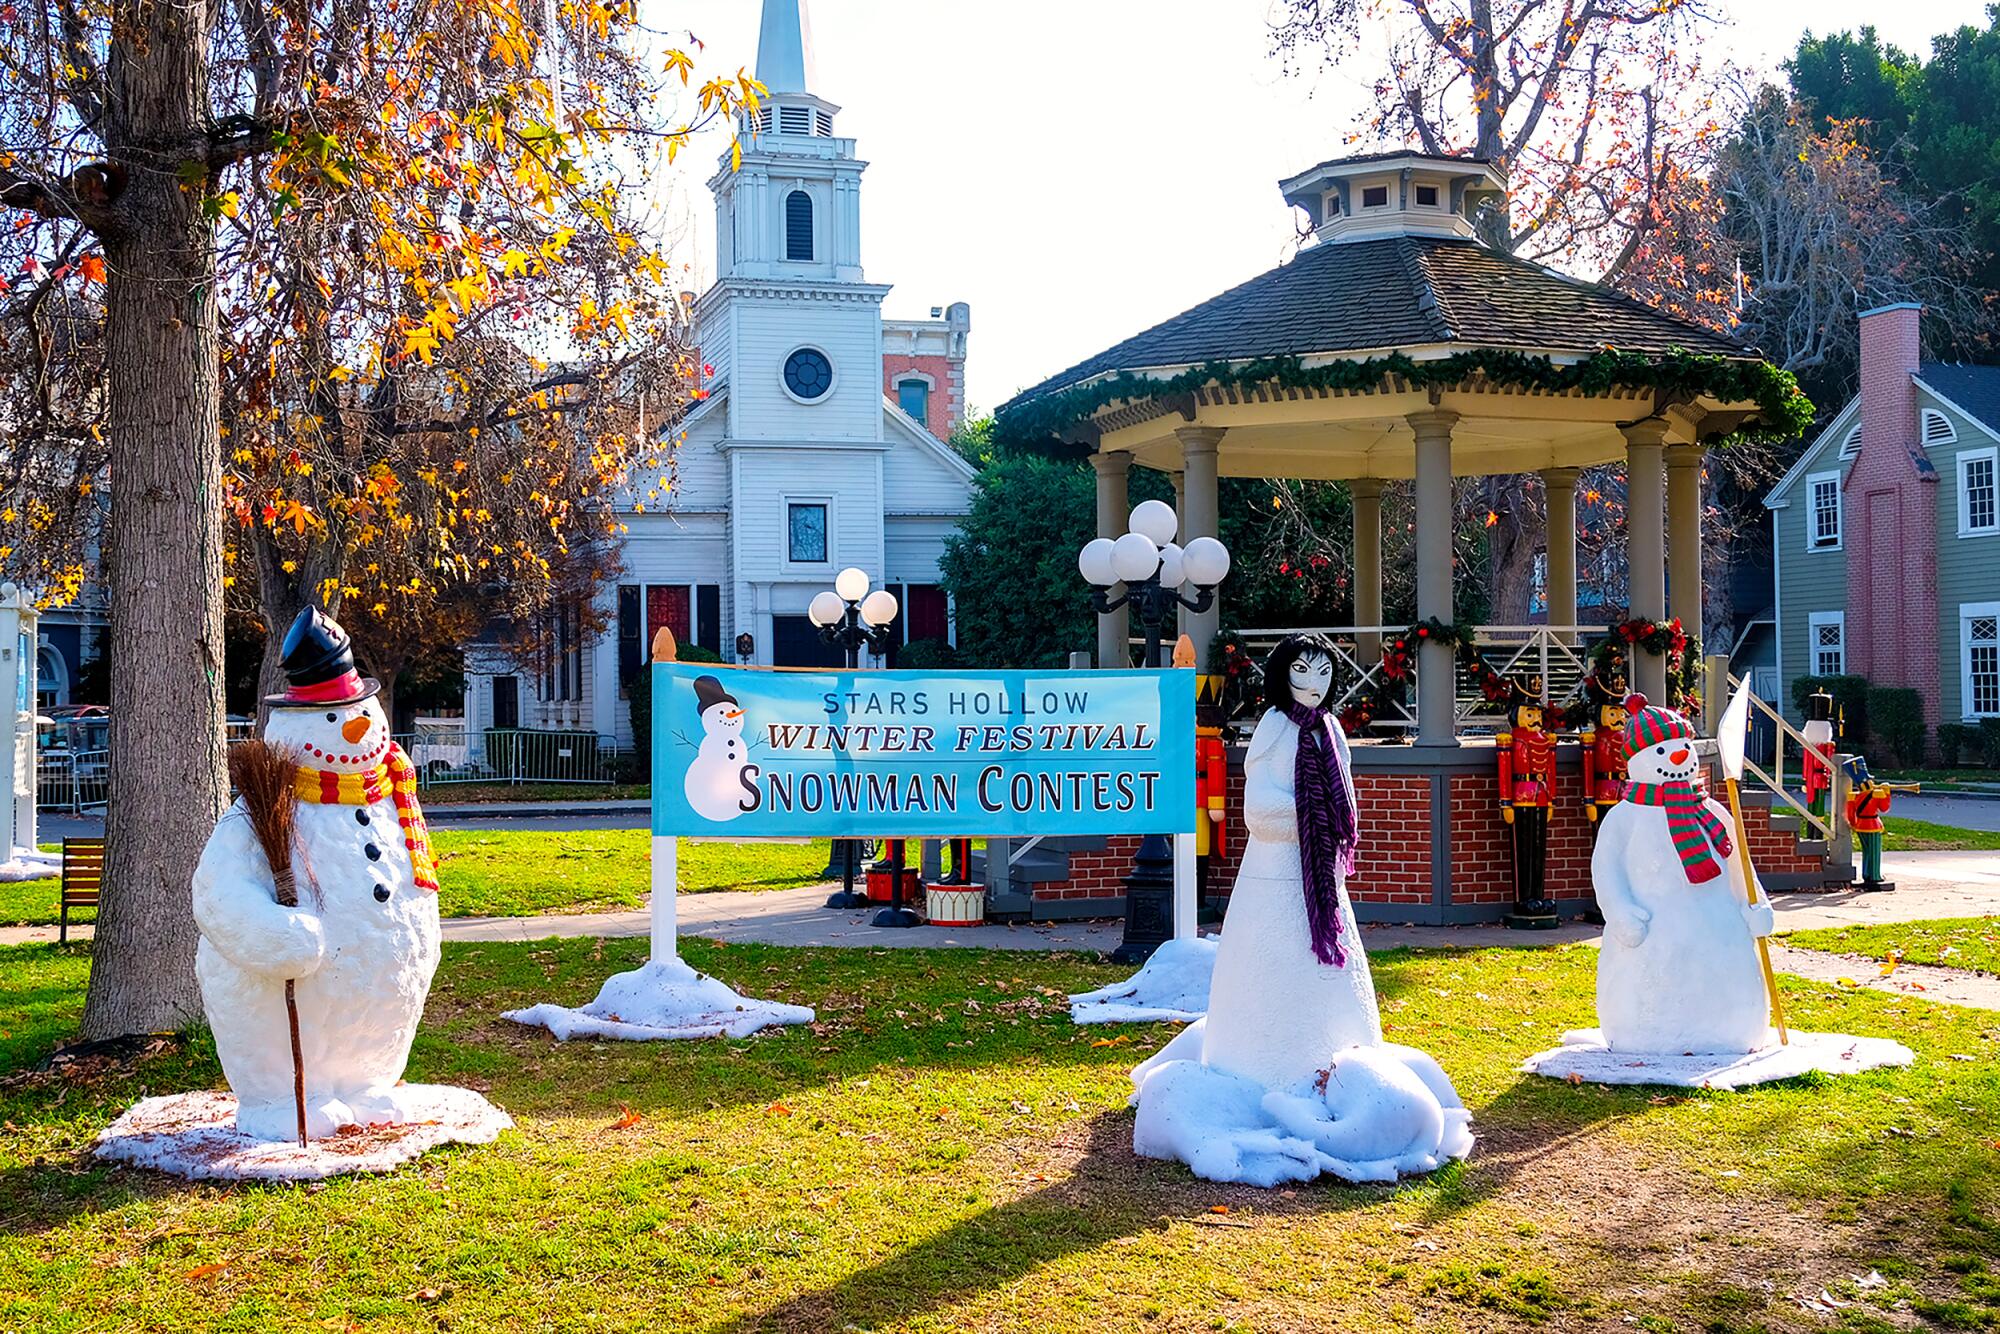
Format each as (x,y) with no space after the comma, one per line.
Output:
(1398,345)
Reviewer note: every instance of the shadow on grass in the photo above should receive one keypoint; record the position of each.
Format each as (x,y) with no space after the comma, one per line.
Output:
(1111,1194)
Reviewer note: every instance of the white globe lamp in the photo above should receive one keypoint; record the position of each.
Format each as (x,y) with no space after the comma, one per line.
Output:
(1094,562)
(1155,519)
(879,608)
(826,609)
(1134,557)
(1206,562)
(1173,569)
(851,584)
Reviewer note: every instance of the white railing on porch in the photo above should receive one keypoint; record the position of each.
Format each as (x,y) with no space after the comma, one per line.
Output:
(1833,826)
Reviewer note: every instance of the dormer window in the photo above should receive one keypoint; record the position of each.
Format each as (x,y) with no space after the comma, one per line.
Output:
(1374,196)
(1427,196)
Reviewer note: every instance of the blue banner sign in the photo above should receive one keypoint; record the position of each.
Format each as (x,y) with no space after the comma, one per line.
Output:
(748,753)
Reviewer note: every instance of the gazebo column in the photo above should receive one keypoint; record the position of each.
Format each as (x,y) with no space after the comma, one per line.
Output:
(1645,544)
(1684,586)
(1113,514)
(1436,671)
(1559,491)
(1201,516)
(1366,495)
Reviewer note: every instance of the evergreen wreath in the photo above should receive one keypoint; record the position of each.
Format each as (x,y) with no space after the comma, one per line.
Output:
(1611,659)
(1783,410)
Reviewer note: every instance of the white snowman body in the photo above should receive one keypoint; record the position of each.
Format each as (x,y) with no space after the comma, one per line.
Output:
(361,945)
(1678,971)
(716,783)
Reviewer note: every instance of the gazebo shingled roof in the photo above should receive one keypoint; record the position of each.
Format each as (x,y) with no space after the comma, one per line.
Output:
(1399,292)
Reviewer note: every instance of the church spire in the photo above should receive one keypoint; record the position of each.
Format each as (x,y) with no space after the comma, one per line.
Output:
(784,48)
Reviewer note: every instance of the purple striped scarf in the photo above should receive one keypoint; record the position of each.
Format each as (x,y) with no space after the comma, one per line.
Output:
(1327,827)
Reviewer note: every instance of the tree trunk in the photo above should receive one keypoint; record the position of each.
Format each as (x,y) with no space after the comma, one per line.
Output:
(165,532)
(1510,552)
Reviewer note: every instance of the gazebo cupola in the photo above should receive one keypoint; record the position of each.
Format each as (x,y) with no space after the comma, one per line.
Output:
(1396,194)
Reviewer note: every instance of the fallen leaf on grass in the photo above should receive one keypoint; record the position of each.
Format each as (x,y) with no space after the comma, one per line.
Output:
(1874,1280)
(1218,1208)
(1573,1077)
(425,1295)
(778,1109)
(1889,964)
(627,1118)
(208,1270)
(1118,1041)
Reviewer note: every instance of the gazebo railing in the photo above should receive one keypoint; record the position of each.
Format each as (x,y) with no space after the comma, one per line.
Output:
(1833,826)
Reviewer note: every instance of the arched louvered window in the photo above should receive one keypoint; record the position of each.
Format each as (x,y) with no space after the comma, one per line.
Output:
(798,225)
(1852,444)
(1937,428)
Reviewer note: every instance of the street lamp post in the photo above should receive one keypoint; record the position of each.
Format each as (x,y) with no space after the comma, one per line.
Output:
(850,617)
(1153,569)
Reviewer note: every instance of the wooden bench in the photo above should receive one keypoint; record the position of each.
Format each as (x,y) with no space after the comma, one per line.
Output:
(82,877)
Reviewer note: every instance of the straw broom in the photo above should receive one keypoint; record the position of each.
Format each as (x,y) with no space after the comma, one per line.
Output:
(265,775)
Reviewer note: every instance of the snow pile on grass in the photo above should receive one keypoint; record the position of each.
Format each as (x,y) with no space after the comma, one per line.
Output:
(660,1001)
(1172,985)
(1585,1058)
(194,1135)
(30,864)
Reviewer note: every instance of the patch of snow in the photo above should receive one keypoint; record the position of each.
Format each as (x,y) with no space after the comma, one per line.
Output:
(194,1135)
(1171,986)
(661,1001)
(30,864)
(1584,1055)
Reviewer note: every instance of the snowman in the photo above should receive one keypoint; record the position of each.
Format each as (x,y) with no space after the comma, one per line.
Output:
(1288,1076)
(1679,970)
(720,780)
(363,941)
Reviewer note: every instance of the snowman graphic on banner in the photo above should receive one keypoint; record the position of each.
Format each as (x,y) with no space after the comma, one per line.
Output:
(721,783)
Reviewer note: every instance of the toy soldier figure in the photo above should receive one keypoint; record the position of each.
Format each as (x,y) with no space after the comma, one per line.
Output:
(1603,740)
(1867,803)
(1818,764)
(1527,756)
(1211,782)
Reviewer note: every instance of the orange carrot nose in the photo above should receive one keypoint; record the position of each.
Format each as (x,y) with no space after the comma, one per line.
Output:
(733,714)
(1678,757)
(355,728)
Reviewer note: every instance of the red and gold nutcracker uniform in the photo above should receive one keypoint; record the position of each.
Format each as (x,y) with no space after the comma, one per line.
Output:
(1867,806)
(1527,767)
(1818,768)
(1211,793)
(1527,772)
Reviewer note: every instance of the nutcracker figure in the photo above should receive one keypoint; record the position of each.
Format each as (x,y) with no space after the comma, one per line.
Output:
(1527,762)
(1211,782)
(1867,802)
(1603,738)
(1818,764)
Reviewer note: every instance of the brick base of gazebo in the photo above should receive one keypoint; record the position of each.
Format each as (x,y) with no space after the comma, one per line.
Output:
(1434,849)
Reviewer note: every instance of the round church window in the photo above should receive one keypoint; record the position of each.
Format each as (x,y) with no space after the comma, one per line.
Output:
(808,374)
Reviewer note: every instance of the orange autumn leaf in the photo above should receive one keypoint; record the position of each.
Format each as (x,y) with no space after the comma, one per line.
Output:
(627,1118)
(92,268)
(778,1109)
(208,1270)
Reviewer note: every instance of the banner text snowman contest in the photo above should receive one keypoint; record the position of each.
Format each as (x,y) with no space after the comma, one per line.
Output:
(797,754)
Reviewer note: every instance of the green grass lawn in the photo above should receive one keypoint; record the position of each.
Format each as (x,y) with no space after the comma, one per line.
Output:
(1900,835)
(1955,942)
(943,1151)
(566,794)
(519,872)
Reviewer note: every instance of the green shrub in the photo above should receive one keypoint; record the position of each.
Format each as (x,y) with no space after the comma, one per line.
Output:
(1955,739)
(1850,705)
(1896,717)
(1989,742)
(927,655)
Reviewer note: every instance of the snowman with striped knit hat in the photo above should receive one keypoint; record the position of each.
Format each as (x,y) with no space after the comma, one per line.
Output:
(361,943)
(1679,970)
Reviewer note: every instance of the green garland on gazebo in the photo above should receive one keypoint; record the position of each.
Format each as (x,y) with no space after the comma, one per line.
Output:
(1611,659)
(1783,409)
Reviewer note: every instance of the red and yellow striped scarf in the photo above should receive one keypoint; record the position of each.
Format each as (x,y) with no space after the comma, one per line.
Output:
(395,778)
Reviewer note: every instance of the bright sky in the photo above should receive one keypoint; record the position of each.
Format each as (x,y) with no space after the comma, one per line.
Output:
(1079,170)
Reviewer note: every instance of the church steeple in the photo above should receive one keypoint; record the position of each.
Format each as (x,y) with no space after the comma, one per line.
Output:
(784,48)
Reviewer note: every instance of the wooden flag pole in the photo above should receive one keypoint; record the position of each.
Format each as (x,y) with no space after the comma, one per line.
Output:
(1750,891)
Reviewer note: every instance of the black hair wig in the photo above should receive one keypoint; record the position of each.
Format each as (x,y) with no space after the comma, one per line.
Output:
(1278,667)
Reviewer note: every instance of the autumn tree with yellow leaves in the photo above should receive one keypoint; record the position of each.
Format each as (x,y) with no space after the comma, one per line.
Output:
(354,295)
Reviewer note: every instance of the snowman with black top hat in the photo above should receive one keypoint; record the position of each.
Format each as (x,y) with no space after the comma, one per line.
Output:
(314,1002)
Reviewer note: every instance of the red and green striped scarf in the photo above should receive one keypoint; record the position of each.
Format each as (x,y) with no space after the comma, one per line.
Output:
(1690,823)
(395,778)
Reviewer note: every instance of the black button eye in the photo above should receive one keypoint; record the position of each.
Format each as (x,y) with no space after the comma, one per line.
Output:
(361,817)
(332,717)
(381,893)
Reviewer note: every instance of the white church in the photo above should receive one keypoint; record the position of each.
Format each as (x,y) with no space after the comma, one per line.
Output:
(819,445)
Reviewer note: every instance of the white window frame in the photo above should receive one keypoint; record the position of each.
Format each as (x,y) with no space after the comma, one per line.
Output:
(1946,434)
(1388,203)
(1813,623)
(1966,457)
(1437,194)
(1967,613)
(1813,481)
(785,560)
(930,389)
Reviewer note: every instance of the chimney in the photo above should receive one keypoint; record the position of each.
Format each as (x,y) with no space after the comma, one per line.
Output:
(1888,517)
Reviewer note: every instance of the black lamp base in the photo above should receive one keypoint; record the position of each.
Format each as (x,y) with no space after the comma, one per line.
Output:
(1149,901)
(898,917)
(847,898)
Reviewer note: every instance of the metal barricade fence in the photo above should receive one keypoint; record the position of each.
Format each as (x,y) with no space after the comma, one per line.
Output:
(513,756)
(72,781)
